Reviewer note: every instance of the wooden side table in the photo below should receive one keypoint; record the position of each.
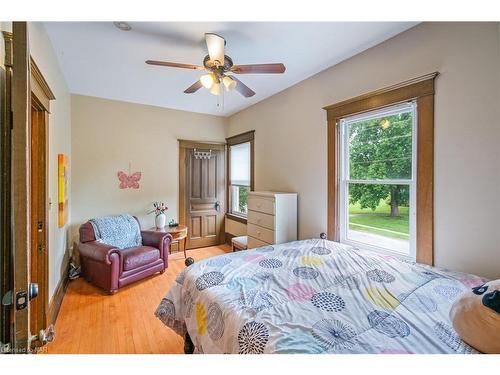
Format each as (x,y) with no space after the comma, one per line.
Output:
(179,234)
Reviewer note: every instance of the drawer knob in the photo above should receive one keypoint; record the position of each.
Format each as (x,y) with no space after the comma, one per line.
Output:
(258,233)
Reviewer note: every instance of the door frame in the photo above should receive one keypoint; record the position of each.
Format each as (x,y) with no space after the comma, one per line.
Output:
(21,213)
(41,95)
(190,144)
(5,195)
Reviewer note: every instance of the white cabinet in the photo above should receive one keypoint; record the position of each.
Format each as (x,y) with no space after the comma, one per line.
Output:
(272,218)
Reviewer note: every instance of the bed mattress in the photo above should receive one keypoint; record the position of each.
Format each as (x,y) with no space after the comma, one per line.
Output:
(315,296)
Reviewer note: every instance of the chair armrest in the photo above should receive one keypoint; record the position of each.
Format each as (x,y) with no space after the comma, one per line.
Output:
(159,240)
(97,251)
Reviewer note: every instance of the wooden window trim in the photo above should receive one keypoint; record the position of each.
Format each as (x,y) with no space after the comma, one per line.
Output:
(420,89)
(241,138)
(248,136)
(239,219)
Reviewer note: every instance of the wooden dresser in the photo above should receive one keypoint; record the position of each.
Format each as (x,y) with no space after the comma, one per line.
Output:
(272,218)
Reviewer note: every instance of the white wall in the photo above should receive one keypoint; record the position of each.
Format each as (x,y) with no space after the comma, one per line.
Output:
(59,143)
(107,135)
(290,137)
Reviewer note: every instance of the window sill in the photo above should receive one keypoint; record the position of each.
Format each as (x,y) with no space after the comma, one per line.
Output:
(240,219)
(379,250)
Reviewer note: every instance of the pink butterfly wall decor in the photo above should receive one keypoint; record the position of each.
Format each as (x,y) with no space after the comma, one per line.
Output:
(130,180)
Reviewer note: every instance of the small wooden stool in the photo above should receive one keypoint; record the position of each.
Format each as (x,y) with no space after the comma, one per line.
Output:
(239,243)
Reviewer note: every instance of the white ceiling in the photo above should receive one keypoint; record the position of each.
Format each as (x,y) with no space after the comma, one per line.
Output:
(97,59)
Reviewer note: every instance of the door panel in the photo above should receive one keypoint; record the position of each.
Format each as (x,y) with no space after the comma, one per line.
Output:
(203,194)
(199,205)
(195,227)
(211,225)
(196,178)
(39,216)
(211,177)
(5,181)
(21,113)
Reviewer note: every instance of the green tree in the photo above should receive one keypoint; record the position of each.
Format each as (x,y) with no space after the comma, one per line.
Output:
(380,149)
(243,197)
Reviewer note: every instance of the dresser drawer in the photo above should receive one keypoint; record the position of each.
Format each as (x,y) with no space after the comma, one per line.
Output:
(261,204)
(263,234)
(261,219)
(254,242)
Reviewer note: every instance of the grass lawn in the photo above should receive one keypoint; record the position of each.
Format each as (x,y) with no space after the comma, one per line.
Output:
(379,221)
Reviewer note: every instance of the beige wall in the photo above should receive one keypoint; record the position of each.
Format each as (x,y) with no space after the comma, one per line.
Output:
(59,142)
(290,137)
(107,135)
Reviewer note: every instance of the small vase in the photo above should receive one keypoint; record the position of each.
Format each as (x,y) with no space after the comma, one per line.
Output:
(160,221)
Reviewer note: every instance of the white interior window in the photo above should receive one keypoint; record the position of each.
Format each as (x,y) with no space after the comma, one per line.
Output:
(378,180)
(239,177)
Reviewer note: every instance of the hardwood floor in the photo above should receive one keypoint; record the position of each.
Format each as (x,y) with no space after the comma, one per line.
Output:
(91,321)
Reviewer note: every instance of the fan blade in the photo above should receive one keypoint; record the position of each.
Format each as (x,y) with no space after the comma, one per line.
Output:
(193,88)
(175,65)
(215,46)
(243,89)
(258,68)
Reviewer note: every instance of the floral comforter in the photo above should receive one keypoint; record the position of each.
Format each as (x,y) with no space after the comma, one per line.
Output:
(315,296)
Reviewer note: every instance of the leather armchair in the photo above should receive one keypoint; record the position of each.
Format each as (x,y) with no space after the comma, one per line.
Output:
(111,268)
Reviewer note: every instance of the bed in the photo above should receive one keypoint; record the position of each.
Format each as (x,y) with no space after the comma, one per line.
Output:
(314,296)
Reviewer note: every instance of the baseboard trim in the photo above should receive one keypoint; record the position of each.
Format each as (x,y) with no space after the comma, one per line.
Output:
(57,298)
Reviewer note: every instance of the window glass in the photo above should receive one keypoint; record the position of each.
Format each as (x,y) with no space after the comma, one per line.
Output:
(240,164)
(379,216)
(239,177)
(377,187)
(239,197)
(381,148)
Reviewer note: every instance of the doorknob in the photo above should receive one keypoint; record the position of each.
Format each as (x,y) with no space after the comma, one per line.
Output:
(217,206)
(32,291)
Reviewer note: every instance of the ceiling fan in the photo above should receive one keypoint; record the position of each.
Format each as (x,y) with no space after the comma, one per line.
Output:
(218,65)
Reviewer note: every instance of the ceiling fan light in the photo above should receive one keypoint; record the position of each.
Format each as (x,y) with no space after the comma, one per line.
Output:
(207,80)
(215,90)
(229,83)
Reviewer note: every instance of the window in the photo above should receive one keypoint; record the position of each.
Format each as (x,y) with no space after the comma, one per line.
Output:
(381,151)
(378,179)
(240,177)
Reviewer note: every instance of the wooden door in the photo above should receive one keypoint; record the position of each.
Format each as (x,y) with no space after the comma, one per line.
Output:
(39,215)
(5,184)
(24,196)
(21,124)
(202,186)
